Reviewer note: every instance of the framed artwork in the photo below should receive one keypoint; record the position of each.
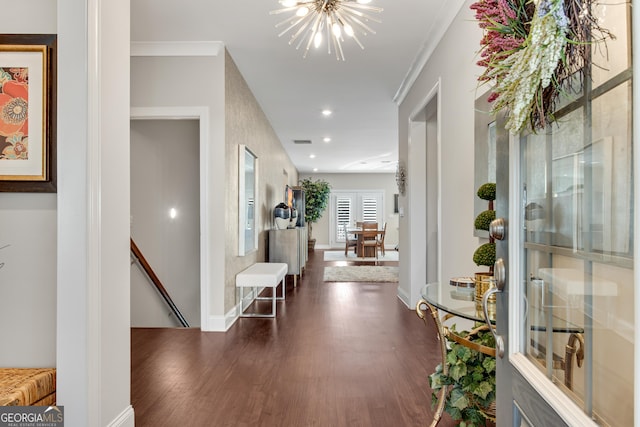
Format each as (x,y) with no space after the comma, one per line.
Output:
(28,113)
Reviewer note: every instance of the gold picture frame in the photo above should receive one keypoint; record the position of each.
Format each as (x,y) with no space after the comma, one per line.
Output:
(28,113)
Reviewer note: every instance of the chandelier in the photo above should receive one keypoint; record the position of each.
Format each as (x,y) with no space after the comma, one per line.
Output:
(313,20)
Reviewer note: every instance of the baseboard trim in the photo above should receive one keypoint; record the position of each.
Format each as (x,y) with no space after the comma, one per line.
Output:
(125,419)
(404,297)
(223,323)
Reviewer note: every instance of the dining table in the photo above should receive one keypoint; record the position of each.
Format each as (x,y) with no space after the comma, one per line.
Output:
(363,251)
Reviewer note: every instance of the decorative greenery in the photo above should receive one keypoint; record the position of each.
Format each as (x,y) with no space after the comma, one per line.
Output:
(485,254)
(471,379)
(316,195)
(484,219)
(533,51)
(487,191)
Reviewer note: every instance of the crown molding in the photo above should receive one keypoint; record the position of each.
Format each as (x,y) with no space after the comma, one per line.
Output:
(445,17)
(174,48)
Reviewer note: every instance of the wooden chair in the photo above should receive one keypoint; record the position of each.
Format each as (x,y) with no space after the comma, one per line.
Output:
(369,238)
(350,241)
(380,239)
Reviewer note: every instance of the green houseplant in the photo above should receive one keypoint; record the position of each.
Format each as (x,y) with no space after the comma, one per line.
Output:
(316,193)
(470,380)
(486,253)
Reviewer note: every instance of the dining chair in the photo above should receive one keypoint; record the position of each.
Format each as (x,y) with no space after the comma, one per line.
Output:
(369,237)
(380,239)
(350,241)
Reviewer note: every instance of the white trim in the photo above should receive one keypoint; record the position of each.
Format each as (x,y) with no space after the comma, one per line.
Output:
(404,297)
(125,419)
(558,400)
(415,165)
(206,245)
(93,212)
(515,292)
(175,48)
(635,55)
(223,323)
(169,113)
(444,17)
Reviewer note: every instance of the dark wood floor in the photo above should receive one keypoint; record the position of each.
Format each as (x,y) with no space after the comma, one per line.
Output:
(338,354)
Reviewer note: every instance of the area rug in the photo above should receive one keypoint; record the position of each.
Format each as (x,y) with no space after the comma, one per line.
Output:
(390,255)
(361,273)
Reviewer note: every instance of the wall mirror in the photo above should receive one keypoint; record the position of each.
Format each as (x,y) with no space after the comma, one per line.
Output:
(484,154)
(247,201)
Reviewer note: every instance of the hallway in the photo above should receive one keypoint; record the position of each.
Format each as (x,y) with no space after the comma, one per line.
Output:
(338,354)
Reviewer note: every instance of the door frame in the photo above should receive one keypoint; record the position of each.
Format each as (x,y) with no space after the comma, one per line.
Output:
(333,221)
(515,372)
(423,210)
(201,114)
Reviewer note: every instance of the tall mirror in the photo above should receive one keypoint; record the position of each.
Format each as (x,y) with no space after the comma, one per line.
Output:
(247,202)
(484,153)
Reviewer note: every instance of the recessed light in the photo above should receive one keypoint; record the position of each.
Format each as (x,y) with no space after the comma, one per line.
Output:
(326,112)
(312,156)
(326,139)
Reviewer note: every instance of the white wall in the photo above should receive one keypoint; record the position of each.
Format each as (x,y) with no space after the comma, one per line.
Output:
(165,174)
(154,85)
(247,124)
(359,181)
(233,117)
(93,338)
(28,278)
(452,65)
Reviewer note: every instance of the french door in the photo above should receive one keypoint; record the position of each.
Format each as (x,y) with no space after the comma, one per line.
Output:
(350,207)
(567,311)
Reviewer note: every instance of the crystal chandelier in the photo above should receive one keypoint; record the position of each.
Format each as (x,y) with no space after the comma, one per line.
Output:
(331,17)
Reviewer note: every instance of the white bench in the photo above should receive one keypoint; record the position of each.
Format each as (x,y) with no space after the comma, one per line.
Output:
(262,275)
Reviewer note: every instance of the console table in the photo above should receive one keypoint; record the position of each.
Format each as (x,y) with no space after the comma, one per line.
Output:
(459,302)
(289,246)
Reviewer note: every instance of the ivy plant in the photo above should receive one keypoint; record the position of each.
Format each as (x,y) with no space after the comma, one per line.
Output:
(470,382)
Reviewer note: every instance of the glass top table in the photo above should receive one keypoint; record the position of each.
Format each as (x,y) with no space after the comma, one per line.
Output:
(460,302)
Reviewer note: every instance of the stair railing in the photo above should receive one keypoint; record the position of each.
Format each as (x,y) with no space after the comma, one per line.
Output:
(156,282)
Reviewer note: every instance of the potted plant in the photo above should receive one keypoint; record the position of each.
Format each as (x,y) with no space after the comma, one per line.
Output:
(486,253)
(470,379)
(316,195)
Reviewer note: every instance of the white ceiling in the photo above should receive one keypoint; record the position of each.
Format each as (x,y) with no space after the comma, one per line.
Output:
(293,91)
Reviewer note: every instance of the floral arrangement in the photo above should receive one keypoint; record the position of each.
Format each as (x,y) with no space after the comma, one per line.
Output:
(14,98)
(533,50)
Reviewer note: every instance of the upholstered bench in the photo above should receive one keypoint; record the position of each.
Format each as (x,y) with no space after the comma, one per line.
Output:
(27,386)
(262,275)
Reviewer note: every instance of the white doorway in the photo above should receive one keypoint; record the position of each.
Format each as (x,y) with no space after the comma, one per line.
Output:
(349,207)
(165,219)
(424,199)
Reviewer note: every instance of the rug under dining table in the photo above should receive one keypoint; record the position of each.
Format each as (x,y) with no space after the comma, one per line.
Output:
(361,273)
